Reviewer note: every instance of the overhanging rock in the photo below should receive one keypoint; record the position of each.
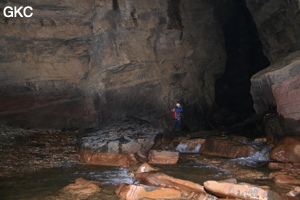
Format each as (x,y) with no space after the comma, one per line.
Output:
(279,86)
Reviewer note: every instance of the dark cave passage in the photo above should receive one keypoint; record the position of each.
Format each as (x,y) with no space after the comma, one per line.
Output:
(244,57)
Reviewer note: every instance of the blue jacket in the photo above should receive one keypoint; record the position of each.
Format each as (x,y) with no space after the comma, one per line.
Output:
(178,111)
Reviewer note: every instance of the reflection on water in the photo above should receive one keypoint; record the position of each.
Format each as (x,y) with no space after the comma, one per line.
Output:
(195,171)
(48,182)
(38,185)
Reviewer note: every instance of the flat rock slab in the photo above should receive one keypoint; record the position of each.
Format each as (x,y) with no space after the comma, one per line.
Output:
(133,192)
(107,159)
(163,157)
(163,180)
(225,147)
(126,137)
(243,191)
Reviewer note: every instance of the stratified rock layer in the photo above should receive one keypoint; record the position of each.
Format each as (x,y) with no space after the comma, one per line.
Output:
(278,86)
(80,64)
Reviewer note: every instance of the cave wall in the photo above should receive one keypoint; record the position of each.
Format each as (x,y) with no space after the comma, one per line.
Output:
(278,86)
(80,64)
(43,61)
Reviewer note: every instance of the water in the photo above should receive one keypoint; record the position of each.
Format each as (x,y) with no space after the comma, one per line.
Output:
(184,148)
(258,158)
(36,186)
(48,182)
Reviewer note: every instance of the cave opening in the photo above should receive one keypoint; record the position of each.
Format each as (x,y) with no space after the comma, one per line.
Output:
(244,58)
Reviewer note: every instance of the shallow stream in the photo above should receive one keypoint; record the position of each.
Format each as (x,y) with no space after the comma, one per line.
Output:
(48,182)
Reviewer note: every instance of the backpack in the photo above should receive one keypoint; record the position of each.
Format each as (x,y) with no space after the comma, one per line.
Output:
(174,114)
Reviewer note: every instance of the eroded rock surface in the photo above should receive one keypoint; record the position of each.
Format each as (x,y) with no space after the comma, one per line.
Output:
(80,64)
(278,86)
(126,137)
(116,145)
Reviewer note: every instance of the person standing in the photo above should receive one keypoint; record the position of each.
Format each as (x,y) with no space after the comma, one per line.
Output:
(177,111)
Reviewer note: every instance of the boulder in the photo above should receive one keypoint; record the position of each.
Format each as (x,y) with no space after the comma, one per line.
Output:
(278,86)
(163,157)
(145,168)
(163,180)
(287,150)
(134,192)
(224,147)
(243,191)
(107,159)
(128,136)
(81,189)
(287,97)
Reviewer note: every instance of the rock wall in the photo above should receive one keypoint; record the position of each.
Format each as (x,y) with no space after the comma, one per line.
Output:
(277,22)
(43,61)
(79,64)
(278,86)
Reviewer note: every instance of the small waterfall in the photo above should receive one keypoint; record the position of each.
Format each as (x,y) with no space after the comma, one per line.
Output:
(259,157)
(185,148)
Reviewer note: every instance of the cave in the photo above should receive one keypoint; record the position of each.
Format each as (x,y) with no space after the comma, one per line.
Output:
(96,82)
(245,57)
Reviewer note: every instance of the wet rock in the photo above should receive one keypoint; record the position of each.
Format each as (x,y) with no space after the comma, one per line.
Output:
(82,187)
(204,197)
(284,177)
(294,192)
(243,191)
(260,140)
(141,157)
(189,145)
(107,159)
(133,192)
(145,168)
(163,157)
(287,150)
(224,147)
(279,165)
(163,180)
(126,137)
(291,169)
